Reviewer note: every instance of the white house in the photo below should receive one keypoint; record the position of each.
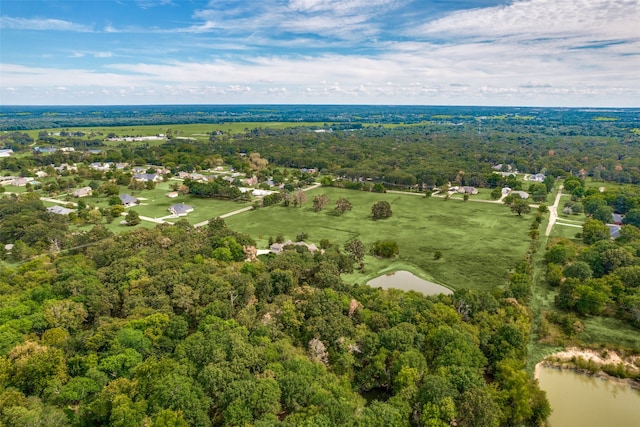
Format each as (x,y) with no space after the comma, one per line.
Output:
(82,192)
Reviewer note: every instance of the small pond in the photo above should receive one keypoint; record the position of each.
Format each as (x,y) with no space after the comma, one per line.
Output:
(581,400)
(408,281)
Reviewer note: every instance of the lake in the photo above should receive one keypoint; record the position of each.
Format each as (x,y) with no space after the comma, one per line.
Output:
(408,281)
(586,401)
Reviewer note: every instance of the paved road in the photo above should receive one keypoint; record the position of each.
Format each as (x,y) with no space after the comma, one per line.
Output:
(553,212)
(236,212)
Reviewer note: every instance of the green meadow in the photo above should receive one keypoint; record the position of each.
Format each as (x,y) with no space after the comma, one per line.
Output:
(479,242)
(199,131)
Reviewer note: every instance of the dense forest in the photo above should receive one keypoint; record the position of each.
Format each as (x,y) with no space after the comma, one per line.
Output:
(178,325)
(166,327)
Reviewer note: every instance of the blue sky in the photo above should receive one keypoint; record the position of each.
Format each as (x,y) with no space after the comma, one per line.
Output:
(427,52)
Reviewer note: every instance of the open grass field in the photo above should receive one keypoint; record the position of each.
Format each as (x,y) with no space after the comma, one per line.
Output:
(198,131)
(479,241)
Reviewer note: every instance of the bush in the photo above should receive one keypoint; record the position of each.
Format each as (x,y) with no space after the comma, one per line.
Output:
(385,248)
(381,210)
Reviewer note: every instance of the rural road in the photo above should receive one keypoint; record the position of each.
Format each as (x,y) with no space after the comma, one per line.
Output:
(553,212)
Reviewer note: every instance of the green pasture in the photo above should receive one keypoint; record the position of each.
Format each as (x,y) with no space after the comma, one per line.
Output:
(198,131)
(479,241)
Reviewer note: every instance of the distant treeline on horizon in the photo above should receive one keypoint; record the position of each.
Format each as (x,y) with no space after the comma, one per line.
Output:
(38,117)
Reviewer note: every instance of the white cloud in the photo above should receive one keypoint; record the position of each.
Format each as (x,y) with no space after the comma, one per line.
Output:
(543,18)
(39,24)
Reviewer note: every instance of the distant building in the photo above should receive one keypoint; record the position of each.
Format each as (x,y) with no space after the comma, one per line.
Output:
(180,209)
(147,177)
(522,194)
(59,210)
(468,190)
(83,192)
(128,200)
(277,248)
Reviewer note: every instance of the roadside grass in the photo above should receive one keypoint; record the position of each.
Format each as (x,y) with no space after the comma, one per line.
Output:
(479,241)
(568,232)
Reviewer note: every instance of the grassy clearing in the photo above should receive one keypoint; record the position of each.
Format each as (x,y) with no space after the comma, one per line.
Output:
(198,131)
(479,241)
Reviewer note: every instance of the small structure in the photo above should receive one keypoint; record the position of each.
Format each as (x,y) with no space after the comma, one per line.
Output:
(6,152)
(128,200)
(506,190)
(172,194)
(59,210)
(83,192)
(180,209)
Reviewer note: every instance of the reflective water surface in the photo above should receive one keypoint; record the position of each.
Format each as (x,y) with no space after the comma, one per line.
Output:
(408,281)
(586,401)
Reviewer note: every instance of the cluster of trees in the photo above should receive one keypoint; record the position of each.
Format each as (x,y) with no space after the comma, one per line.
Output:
(215,189)
(169,326)
(598,276)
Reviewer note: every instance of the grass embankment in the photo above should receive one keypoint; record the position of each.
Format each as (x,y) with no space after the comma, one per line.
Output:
(479,241)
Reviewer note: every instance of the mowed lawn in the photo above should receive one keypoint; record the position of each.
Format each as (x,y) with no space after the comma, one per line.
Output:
(479,242)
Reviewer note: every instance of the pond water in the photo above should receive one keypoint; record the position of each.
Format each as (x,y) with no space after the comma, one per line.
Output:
(581,400)
(408,281)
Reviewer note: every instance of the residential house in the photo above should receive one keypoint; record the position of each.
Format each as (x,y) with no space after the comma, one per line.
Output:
(506,190)
(277,248)
(146,177)
(538,177)
(44,150)
(468,190)
(7,180)
(614,231)
(522,194)
(99,166)
(21,181)
(65,166)
(617,219)
(82,192)
(59,210)
(180,209)
(127,200)
(6,152)
(41,174)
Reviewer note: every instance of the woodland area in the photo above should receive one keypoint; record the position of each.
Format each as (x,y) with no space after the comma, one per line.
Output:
(173,325)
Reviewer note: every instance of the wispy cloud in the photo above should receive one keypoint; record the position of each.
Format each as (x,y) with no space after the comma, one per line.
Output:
(41,24)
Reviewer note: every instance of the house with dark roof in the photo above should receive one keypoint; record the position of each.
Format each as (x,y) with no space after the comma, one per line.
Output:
(180,209)
(614,231)
(128,200)
(617,218)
